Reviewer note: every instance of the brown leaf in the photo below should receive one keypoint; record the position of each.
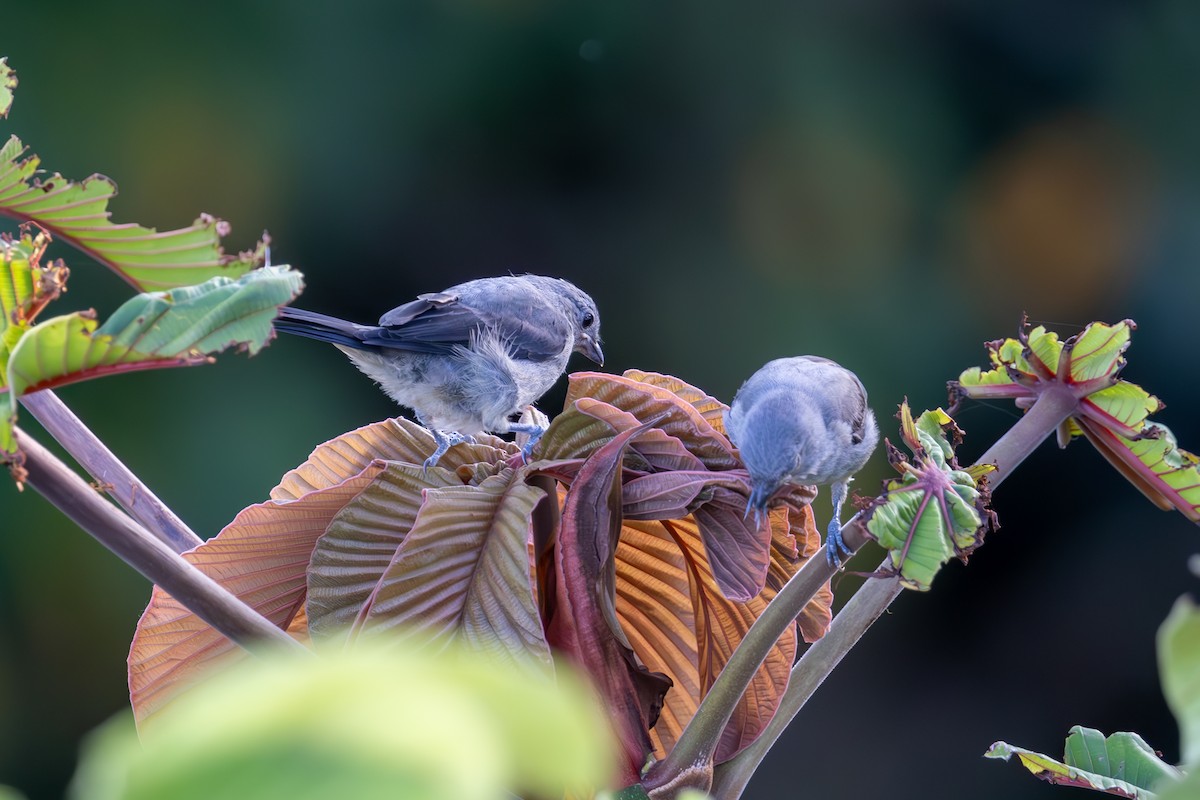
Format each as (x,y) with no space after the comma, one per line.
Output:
(679,622)
(261,557)
(395,439)
(647,401)
(712,409)
(361,541)
(584,626)
(464,572)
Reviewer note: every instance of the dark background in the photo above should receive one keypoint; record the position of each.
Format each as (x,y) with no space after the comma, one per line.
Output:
(888,184)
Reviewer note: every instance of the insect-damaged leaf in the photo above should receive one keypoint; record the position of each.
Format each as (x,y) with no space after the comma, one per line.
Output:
(584,623)
(261,557)
(77,212)
(153,330)
(1122,765)
(934,511)
(462,572)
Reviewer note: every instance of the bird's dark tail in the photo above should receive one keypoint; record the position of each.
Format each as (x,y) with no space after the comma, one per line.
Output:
(321,327)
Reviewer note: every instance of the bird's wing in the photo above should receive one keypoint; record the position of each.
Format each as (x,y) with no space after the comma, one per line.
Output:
(851,400)
(443,321)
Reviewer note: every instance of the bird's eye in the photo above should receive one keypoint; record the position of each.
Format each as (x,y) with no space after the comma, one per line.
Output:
(588,319)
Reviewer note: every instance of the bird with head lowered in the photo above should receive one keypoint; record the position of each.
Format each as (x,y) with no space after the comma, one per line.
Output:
(803,420)
(471,358)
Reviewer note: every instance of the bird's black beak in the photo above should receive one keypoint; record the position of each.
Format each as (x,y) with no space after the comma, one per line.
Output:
(590,348)
(757,504)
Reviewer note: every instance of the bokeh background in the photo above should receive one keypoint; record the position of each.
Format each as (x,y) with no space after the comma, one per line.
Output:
(888,184)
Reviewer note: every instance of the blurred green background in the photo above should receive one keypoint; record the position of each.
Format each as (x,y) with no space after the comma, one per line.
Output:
(887,184)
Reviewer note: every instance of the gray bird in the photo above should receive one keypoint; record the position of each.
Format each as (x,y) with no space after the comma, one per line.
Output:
(471,358)
(803,420)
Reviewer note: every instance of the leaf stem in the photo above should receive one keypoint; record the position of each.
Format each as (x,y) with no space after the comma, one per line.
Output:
(113,476)
(134,545)
(1050,410)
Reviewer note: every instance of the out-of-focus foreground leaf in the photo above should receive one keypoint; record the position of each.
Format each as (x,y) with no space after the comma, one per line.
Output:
(77,212)
(1179,669)
(1122,765)
(934,511)
(364,724)
(148,331)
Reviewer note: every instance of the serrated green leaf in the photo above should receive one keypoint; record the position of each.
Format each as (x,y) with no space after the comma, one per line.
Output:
(931,513)
(1096,352)
(1122,764)
(923,528)
(160,329)
(1179,670)
(8,82)
(1122,405)
(1165,473)
(77,212)
(1044,350)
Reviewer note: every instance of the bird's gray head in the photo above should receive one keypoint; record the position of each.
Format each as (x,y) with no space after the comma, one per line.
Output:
(772,443)
(585,317)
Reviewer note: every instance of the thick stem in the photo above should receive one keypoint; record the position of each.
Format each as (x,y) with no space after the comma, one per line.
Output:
(112,475)
(137,547)
(867,604)
(1043,418)
(699,739)
(1050,410)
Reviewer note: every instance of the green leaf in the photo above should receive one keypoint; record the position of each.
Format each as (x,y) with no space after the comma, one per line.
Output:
(1122,765)
(935,511)
(364,724)
(78,214)
(1166,474)
(1179,669)
(463,573)
(8,82)
(154,330)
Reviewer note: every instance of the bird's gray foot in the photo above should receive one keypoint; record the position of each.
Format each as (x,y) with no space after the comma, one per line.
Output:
(444,441)
(533,431)
(834,543)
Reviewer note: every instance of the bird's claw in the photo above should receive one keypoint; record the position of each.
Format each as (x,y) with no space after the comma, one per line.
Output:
(534,432)
(444,441)
(834,542)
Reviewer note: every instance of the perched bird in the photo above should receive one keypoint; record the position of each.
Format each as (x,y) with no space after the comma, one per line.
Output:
(471,358)
(803,420)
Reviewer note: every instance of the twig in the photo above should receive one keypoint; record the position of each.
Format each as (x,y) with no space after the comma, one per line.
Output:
(152,558)
(113,476)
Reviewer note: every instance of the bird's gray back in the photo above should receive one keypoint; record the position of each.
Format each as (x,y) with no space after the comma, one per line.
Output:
(534,323)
